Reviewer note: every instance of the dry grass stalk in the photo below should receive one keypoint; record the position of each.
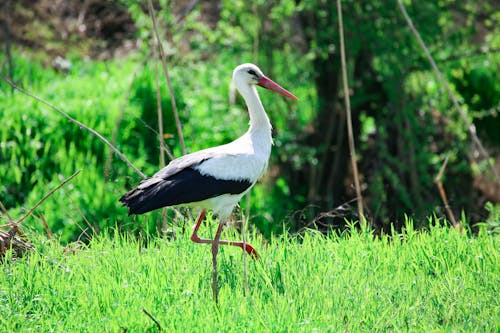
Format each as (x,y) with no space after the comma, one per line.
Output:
(442,192)
(46,196)
(167,76)
(161,140)
(50,234)
(352,148)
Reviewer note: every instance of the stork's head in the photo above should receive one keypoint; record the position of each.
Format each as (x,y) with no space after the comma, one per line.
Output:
(252,75)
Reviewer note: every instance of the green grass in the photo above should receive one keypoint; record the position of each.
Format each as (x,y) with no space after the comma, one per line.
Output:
(438,280)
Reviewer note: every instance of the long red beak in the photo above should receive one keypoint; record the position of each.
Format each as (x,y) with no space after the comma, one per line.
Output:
(271,85)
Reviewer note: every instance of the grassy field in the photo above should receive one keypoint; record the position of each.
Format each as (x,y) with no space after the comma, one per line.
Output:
(416,281)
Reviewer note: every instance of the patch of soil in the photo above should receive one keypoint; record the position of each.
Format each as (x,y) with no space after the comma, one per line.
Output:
(94,28)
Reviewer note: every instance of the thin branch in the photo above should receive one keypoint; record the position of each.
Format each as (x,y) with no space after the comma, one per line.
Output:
(81,125)
(470,126)
(340,211)
(167,76)
(50,234)
(5,212)
(160,134)
(67,209)
(8,240)
(160,113)
(152,318)
(46,196)
(352,148)
(442,192)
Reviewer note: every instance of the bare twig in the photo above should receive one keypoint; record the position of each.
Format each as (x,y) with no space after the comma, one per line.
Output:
(81,125)
(5,212)
(152,318)
(160,134)
(340,211)
(442,192)
(167,76)
(50,234)
(352,149)
(470,126)
(68,210)
(9,239)
(160,114)
(46,196)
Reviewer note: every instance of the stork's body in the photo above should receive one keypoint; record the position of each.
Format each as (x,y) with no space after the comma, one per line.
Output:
(215,178)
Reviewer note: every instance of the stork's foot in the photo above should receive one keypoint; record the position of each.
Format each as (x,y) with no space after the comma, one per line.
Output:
(250,250)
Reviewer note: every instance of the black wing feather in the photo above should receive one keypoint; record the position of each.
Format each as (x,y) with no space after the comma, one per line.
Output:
(184,186)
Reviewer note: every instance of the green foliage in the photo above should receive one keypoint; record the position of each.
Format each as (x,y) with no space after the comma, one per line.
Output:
(492,223)
(404,123)
(479,87)
(415,126)
(439,280)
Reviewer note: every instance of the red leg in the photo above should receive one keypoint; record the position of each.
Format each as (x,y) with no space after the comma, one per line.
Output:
(194,235)
(244,246)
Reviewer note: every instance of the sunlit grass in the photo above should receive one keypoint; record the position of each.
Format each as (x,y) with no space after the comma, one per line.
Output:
(437,280)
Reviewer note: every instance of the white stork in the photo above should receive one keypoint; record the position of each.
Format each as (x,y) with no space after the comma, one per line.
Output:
(215,178)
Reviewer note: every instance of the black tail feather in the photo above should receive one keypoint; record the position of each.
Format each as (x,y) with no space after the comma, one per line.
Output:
(184,187)
(133,200)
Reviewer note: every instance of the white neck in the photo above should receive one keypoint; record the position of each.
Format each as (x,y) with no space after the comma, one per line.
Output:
(259,121)
(260,126)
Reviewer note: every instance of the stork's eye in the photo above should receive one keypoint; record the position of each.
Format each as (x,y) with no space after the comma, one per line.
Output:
(252,72)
